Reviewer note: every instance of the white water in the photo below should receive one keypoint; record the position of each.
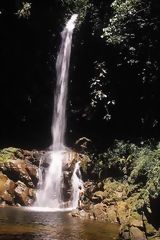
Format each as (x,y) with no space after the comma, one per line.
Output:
(76,183)
(50,194)
(60,99)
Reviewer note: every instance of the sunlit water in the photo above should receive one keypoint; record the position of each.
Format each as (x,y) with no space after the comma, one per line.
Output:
(60,95)
(50,192)
(21,223)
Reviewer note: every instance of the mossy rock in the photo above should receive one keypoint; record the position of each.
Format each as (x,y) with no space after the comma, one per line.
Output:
(98,196)
(115,191)
(136,220)
(85,162)
(137,234)
(150,230)
(135,202)
(8,154)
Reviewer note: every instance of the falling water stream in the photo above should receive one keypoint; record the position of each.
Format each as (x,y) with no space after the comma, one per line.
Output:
(60,97)
(50,193)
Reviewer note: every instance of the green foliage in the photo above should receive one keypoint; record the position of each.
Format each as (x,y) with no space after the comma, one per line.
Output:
(133,27)
(147,171)
(128,15)
(117,161)
(99,92)
(138,165)
(121,156)
(133,31)
(24,11)
(97,167)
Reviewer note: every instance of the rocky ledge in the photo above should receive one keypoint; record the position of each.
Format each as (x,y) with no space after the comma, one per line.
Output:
(117,202)
(18,176)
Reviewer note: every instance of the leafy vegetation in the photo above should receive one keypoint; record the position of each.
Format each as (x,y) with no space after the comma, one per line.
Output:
(139,166)
(128,16)
(24,11)
(133,29)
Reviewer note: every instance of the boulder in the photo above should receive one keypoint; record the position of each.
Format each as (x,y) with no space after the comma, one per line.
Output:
(97,197)
(33,156)
(90,188)
(99,211)
(137,234)
(114,191)
(23,195)
(111,214)
(150,230)
(32,172)
(124,233)
(21,170)
(7,187)
(122,212)
(81,214)
(136,220)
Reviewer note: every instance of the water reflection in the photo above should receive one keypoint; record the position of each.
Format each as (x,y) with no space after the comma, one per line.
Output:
(17,223)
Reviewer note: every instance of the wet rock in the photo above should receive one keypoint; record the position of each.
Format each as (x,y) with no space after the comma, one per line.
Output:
(124,233)
(6,189)
(33,173)
(7,197)
(23,195)
(100,186)
(136,220)
(33,156)
(71,159)
(75,213)
(111,214)
(90,188)
(150,230)
(137,234)
(115,191)
(21,170)
(82,144)
(18,176)
(85,163)
(99,211)
(98,197)
(32,193)
(122,212)
(19,154)
(81,214)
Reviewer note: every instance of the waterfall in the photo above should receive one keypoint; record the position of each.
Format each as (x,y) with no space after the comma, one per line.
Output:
(52,190)
(60,99)
(76,183)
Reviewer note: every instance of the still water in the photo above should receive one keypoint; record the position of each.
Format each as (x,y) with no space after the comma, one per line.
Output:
(21,223)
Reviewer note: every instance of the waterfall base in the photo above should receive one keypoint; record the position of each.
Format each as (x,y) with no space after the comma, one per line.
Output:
(60,179)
